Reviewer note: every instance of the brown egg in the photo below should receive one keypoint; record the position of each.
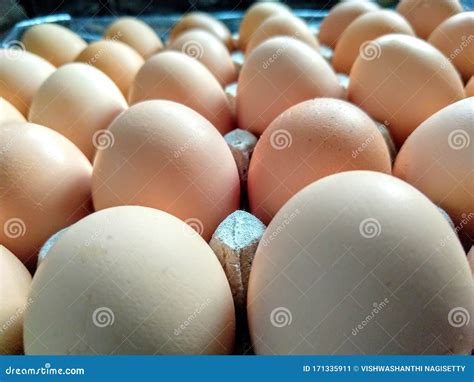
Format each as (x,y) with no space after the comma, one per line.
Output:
(280,73)
(21,74)
(8,113)
(45,182)
(200,20)
(54,43)
(354,264)
(119,61)
(79,101)
(470,88)
(339,18)
(455,38)
(255,16)
(425,15)
(16,281)
(172,159)
(401,81)
(437,159)
(136,34)
(282,25)
(307,142)
(176,77)
(209,50)
(357,36)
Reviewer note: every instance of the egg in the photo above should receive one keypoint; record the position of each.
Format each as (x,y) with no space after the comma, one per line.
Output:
(174,160)
(354,264)
(255,16)
(16,281)
(280,73)
(309,141)
(21,74)
(53,42)
(340,17)
(470,258)
(403,80)
(437,159)
(470,88)
(356,38)
(424,16)
(177,77)
(282,25)
(454,37)
(209,50)
(8,113)
(203,21)
(130,280)
(117,60)
(46,185)
(79,101)
(136,34)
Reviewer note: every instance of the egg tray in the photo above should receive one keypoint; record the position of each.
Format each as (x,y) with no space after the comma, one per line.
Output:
(92,28)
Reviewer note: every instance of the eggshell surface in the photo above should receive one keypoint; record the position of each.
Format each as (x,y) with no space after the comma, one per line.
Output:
(130,272)
(202,21)
(16,281)
(79,101)
(117,60)
(8,113)
(45,182)
(455,39)
(355,245)
(135,33)
(176,77)
(470,88)
(424,16)
(340,17)
(402,82)
(209,50)
(53,42)
(168,157)
(280,73)
(21,75)
(307,142)
(437,158)
(355,40)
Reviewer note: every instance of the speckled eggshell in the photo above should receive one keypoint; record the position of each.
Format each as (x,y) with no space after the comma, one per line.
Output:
(46,185)
(280,73)
(169,157)
(355,245)
(403,80)
(130,280)
(438,160)
(470,88)
(307,142)
(21,75)
(79,101)
(340,17)
(209,50)
(53,42)
(425,15)
(176,77)
(203,21)
(117,60)
(355,40)
(8,113)
(282,25)
(455,38)
(16,281)
(255,16)
(135,33)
